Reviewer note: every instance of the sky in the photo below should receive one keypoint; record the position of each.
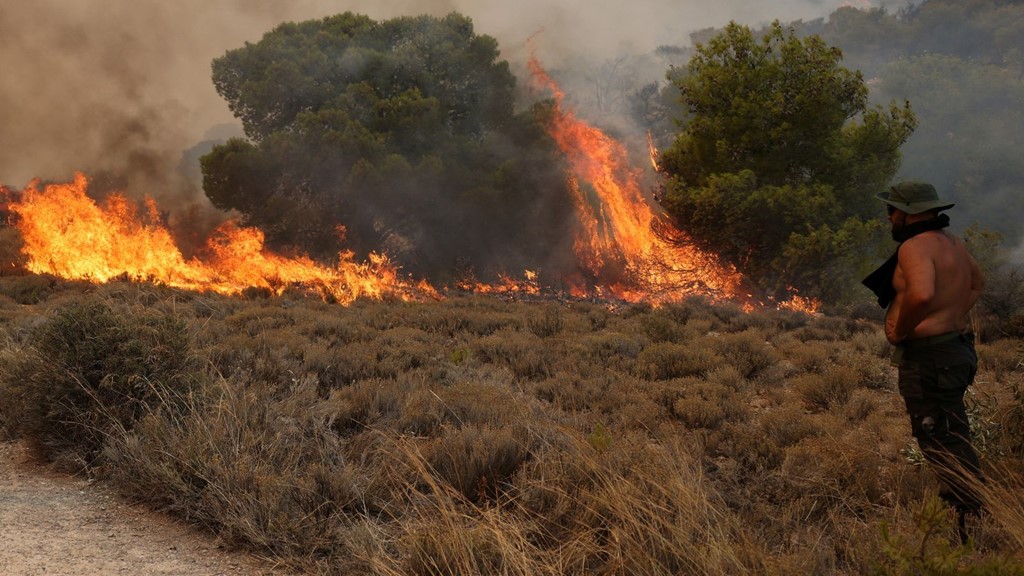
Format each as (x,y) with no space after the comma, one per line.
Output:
(125,84)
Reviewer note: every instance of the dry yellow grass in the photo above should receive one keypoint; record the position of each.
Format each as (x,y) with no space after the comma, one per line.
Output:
(484,436)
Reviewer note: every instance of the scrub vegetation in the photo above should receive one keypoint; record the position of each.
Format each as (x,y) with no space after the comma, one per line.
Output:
(481,435)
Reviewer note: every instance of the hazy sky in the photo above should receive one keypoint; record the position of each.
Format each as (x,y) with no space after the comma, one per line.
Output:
(107,84)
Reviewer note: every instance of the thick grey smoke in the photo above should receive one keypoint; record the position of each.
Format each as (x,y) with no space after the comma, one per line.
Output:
(122,89)
(125,86)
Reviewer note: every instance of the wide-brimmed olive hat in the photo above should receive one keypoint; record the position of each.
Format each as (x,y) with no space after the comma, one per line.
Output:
(914,197)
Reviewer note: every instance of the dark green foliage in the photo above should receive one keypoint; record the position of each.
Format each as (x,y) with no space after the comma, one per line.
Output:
(403,132)
(779,158)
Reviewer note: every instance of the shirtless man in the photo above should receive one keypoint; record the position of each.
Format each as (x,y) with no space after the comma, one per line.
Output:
(936,283)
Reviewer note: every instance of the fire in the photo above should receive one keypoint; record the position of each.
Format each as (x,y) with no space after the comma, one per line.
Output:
(528,286)
(625,245)
(68,235)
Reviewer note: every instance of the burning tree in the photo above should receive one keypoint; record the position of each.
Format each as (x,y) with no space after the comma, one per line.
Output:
(403,131)
(778,163)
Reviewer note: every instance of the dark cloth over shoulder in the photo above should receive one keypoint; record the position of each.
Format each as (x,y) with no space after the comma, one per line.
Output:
(880,281)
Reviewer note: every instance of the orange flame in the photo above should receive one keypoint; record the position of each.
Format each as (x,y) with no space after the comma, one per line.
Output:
(68,235)
(627,246)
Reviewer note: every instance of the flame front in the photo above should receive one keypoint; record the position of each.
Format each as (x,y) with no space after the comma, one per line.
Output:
(68,235)
(624,244)
(625,247)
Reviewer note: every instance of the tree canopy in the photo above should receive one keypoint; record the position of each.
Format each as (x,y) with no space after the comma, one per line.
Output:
(402,131)
(778,161)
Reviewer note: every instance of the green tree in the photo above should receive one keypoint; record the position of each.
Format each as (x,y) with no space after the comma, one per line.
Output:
(402,131)
(779,153)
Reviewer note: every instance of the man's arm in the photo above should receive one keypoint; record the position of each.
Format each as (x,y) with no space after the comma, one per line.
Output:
(919,280)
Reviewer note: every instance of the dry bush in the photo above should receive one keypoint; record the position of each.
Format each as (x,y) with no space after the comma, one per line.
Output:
(29,289)
(482,316)
(659,327)
(697,328)
(546,321)
(258,319)
(478,435)
(631,507)
(665,360)
(597,316)
(729,376)
(872,342)
(524,353)
(613,350)
(787,425)
(870,370)
(808,357)
(572,391)
(751,451)
(469,547)
(92,367)
(624,401)
(333,329)
(827,328)
(365,404)
(836,471)
(861,405)
(701,403)
(747,351)
(478,461)
(1001,358)
(826,391)
(255,471)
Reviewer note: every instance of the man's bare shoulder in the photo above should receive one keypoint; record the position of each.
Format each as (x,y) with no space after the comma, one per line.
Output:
(928,242)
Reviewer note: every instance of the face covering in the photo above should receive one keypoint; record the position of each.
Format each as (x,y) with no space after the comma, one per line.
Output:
(910,230)
(880,281)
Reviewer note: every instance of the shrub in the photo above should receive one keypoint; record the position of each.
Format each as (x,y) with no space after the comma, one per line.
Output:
(665,360)
(705,404)
(525,354)
(546,322)
(478,461)
(840,471)
(660,328)
(787,425)
(93,369)
(747,351)
(1001,357)
(828,390)
(258,471)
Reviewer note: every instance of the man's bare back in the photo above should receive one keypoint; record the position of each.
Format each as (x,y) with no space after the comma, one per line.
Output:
(937,282)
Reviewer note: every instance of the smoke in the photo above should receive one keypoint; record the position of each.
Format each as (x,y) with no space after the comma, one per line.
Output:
(122,88)
(89,84)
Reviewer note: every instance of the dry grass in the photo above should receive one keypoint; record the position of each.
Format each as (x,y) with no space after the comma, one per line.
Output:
(484,436)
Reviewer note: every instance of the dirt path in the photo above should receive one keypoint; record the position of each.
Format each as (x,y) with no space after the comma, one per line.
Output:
(55,524)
